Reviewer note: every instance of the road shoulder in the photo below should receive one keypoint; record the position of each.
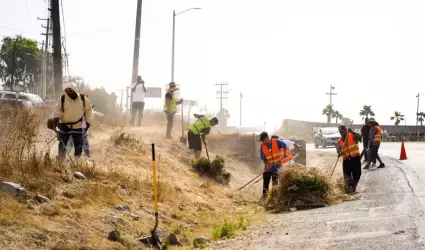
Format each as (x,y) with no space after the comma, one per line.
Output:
(389,215)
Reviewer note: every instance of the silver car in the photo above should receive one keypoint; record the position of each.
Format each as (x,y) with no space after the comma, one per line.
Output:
(326,137)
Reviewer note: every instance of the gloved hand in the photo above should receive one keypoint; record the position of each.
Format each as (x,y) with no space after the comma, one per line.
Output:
(88,125)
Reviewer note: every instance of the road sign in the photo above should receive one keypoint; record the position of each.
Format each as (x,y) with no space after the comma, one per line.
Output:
(176,93)
(190,102)
(153,92)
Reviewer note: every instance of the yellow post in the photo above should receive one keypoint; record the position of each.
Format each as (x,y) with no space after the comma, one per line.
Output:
(155,188)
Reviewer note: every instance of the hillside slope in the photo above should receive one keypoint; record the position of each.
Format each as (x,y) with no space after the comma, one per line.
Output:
(117,194)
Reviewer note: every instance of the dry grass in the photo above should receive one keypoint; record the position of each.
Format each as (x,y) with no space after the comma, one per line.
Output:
(303,187)
(81,213)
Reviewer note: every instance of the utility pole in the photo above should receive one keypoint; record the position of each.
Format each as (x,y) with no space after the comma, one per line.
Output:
(330,100)
(45,55)
(12,70)
(240,110)
(264,126)
(57,48)
(221,97)
(417,117)
(331,94)
(122,96)
(136,48)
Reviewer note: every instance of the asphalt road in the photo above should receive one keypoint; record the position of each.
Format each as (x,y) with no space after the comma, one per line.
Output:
(389,215)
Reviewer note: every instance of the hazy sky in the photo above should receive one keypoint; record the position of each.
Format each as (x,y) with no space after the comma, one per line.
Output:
(282,55)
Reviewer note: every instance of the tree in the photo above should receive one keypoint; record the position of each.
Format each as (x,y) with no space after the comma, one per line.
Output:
(366,111)
(19,62)
(104,102)
(346,121)
(337,116)
(397,117)
(421,117)
(223,117)
(328,111)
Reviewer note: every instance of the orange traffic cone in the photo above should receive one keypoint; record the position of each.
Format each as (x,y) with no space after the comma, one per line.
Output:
(403,155)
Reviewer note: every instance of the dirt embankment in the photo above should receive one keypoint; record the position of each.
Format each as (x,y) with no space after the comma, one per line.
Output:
(117,194)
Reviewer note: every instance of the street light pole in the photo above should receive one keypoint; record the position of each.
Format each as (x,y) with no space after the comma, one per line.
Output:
(417,117)
(174,39)
(173,46)
(240,111)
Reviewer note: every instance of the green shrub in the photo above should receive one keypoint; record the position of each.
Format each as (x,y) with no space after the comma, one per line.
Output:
(214,170)
(228,228)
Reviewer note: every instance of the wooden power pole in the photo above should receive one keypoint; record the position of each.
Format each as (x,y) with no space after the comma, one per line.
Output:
(136,48)
(57,49)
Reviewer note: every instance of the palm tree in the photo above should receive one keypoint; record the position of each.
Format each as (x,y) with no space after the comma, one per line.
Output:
(337,116)
(421,116)
(397,117)
(328,111)
(366,111)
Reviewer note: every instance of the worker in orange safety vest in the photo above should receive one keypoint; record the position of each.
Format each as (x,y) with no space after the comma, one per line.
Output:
(348,149)
(273,152)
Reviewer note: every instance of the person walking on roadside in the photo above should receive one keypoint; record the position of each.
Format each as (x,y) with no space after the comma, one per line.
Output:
(273,153)
(138,91)
(170,107)
(348,149)
(198,131)
(71,110)
(365,136)
(375,137)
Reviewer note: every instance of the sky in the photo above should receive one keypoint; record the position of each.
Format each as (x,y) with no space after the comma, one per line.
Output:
(282,55)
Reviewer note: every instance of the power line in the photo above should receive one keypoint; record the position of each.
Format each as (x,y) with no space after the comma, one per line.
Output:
(28,13)
(9,28)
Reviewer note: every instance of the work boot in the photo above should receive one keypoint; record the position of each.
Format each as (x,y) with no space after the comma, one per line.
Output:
(382,165)
(367,166)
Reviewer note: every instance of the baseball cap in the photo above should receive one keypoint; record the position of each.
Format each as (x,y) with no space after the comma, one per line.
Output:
(263,136)
(342,127)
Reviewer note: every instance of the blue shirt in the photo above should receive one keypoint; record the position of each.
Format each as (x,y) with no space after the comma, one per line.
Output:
(280,144)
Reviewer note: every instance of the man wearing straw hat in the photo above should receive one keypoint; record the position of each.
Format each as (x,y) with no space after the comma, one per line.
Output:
(170,107)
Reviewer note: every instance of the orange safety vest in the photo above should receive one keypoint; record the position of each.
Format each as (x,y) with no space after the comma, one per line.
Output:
(289,156)
(351,149)
(378,135)
(275,157)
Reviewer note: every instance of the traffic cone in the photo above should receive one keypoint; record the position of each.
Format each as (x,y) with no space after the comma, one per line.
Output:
(403,155)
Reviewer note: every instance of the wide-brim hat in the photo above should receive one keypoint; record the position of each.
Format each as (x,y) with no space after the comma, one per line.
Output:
(172,87)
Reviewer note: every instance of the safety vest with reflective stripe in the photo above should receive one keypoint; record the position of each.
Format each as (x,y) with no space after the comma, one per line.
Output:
(173,104)
(378,135)
(200,124)
(351,149)
(288,157)
(275,157)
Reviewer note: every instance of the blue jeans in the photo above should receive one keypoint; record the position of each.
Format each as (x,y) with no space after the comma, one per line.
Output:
(86,145)
(77,137)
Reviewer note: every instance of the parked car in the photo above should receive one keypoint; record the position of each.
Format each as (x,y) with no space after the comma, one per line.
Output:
(14,103)
(326,137)
(35,100)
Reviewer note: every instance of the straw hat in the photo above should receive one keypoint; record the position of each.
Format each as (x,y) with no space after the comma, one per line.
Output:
(172,87)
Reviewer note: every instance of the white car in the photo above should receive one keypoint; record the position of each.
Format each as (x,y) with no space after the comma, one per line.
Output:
(35,100)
